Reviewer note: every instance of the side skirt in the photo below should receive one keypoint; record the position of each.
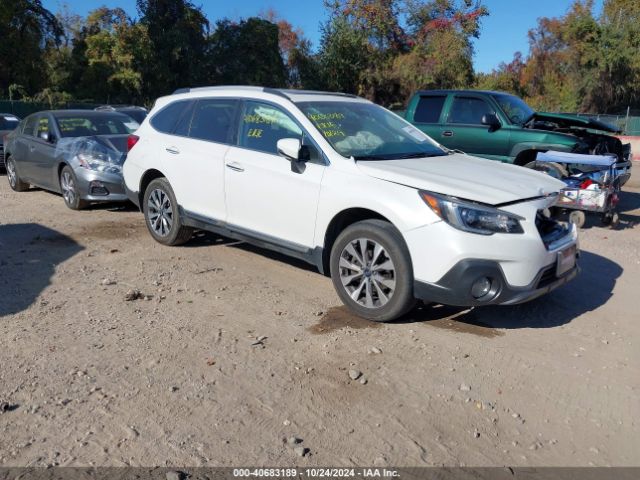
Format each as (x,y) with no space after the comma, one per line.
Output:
(309,255)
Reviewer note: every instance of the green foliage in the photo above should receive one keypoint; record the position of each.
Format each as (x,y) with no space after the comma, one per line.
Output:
(26,28)
(246,52)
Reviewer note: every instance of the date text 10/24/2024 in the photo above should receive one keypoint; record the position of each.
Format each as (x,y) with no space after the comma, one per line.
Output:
(316,472)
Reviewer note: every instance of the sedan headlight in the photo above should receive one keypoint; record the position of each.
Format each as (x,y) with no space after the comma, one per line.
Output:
(472,217)
(99,162)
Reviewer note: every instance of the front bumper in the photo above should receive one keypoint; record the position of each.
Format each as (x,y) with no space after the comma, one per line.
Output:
(100,186)
(455,287)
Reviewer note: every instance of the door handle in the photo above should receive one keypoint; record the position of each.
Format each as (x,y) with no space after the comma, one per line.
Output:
(235,167)
(447,133)
(172,150)
(31,148)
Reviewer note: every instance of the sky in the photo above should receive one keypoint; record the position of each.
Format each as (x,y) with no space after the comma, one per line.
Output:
(504,31)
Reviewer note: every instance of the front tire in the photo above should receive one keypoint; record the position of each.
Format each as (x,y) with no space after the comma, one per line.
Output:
(69,189)
(15,182)
(162,216)
(371,271)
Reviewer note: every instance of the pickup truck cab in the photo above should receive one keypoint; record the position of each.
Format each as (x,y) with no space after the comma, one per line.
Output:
(500,126)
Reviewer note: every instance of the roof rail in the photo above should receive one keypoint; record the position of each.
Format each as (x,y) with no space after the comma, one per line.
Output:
(282,92)
(217,87)
(291,91)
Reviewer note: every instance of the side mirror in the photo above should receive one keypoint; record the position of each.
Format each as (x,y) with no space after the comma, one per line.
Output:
(45,136)
(289,148)
(491,120)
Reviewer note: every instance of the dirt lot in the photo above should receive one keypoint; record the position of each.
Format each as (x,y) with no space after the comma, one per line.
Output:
(179,379)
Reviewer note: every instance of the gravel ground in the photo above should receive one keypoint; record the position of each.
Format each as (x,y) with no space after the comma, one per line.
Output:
(228,351)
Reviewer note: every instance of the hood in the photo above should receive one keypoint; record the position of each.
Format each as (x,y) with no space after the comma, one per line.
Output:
(465,177)
(575,121)
(116,142)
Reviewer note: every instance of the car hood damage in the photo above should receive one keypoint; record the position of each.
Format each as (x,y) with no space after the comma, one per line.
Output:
(568,121)
(465,177)
(104,153)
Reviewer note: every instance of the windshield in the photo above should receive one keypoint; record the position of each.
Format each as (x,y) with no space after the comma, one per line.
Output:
(85,125)
(368,132)
(8,122)
(515,108)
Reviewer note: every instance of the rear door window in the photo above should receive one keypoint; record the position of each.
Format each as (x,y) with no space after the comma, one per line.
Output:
(468,110)
(213,120)
(165,120)
(429,109)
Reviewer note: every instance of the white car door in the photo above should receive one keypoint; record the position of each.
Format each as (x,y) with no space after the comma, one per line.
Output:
(195,157)
(264,196)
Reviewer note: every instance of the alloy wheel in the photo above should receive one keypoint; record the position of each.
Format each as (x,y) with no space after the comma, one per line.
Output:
(68,187)
(160,212)
(367,273)
(11,173)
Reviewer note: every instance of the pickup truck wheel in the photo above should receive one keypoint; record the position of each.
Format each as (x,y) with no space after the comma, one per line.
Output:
(12,175)
(371,270)
(550,168)
(162,215)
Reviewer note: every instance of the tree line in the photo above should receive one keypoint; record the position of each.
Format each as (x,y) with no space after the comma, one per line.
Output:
(381,49)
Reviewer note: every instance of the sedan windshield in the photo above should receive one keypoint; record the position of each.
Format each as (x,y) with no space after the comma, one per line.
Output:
(90,124)
(515,108)
(368,132)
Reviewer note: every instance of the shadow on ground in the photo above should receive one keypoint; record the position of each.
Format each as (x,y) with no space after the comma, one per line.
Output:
(591,289)
(29,254)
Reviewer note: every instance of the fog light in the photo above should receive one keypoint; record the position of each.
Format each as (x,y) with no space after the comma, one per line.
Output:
(98,189)
(481,287)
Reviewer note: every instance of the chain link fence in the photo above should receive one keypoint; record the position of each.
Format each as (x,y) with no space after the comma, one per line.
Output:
(21,108)
(628,122)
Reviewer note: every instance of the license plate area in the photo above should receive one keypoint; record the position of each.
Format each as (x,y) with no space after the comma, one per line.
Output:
(566,260)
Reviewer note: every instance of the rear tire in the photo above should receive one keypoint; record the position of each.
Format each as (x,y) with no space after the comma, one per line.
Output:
(372,272)
(15,182)
(162,215)
(69,189)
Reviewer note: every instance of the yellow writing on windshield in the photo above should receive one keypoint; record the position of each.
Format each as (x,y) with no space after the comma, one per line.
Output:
(317,117)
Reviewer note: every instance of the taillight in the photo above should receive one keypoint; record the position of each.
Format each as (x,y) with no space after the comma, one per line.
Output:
(131,142)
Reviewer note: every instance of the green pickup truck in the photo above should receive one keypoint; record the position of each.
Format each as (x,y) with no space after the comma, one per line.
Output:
(500,126)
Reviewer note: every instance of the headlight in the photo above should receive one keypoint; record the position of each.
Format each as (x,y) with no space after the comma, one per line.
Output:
(472,217)
(99,162)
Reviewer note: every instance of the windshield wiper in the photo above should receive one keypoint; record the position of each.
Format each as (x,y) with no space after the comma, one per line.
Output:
(398,156)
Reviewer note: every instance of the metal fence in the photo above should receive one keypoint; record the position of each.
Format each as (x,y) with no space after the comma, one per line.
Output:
(22,109)
(628,122)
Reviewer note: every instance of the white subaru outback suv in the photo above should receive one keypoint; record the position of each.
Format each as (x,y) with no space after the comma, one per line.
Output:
(388,213)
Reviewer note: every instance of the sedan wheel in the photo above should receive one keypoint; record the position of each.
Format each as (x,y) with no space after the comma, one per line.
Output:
(12,175)
(69,188)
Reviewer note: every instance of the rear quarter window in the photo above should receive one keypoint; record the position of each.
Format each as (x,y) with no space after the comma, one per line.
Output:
(166,120)
(429,109)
